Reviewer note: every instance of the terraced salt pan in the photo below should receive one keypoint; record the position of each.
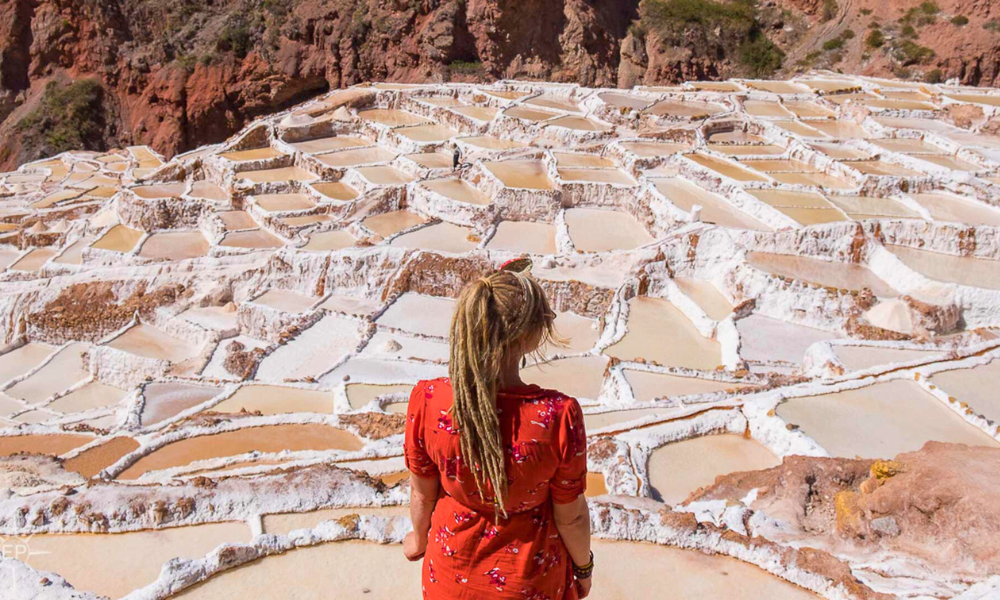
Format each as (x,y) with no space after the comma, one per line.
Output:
(384,175)
(714,209)
(679,468)
(868,207)
(524,236)
(725,167)
(73,255)
(23,359)
(976,387)
(839,151)
(554,102)
(219,318)
(950,269)
(266,439)
(207,190)
(172,190)
(580,377)
(351,305)
(325,241)
(706,296)
(488,142)
(766,339)
(391,117)
(433,160)
(133,560)
(457,190)
(163,401)
(615,176)
(427,133)
(273,400)
(282,524)
(90,396)
(360,395)
(880,167)
(527,174)
(327,144)
(879,421)
(908,145)
(590,161)
(479,113)
(529,114)
(357,157)
(578,124)
(93,460)
(805,110)
(821,272)
(658,331)
(684,109)
(285,301)
(799,128)
(441,237)
(624,100)
(146,340)
(281,174)
(746,149)
(253,154)
(766,109)
(824,180)
(390,223)
(336,190)
(419,313)
(579,333)
(390,344)
(313,352)
(175,245)
(282,202)
(857,358)
(51,445)
(597,230)
(64,370)
(648,386)
(257,239)
(118,239)
(237,219)
(34,260)
(654,149)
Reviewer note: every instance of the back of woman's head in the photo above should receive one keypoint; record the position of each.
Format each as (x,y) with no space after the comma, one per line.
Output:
(499,318)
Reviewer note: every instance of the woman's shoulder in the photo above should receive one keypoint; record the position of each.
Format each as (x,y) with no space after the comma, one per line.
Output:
(426,389)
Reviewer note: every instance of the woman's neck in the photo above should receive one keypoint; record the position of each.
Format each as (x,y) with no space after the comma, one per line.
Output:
(510,372)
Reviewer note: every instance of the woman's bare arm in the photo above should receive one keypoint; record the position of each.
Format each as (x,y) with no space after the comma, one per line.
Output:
(423,496)
(573,523)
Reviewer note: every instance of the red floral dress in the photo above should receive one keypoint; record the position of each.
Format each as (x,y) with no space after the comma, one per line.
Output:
(471,554)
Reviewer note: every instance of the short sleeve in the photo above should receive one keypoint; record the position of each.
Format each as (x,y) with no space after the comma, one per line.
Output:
(570,479)
(414,447)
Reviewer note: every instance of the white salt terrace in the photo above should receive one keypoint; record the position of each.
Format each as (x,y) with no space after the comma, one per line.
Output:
(266,305)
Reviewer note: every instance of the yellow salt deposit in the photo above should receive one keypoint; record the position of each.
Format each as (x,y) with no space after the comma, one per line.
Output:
(118,239)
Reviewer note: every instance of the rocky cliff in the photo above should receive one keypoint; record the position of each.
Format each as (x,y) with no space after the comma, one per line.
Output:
(175,74)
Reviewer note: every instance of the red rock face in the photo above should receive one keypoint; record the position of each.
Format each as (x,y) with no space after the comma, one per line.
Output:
(178,74)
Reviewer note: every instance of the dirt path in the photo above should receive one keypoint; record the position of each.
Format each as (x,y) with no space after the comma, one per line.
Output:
(814,39)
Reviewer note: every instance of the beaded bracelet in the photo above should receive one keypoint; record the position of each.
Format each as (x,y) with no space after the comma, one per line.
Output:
(584,571)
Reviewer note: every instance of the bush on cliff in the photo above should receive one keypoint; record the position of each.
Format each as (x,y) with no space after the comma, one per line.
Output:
(69,117)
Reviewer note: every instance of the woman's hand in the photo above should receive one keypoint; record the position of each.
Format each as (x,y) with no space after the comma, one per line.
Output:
(414,547)
(583,586)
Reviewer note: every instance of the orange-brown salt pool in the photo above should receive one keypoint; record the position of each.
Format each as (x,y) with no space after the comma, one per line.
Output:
(269,438)
(337,142)
(281,174)
(357,157)
(390,223)
(237,219)
(391,117)
(52,445)
(336,190)
(385,175)
(92,461)
(118,239)
(34,260)
(679,468)
(167,190)
(658,331)
(529,174)
(360,395)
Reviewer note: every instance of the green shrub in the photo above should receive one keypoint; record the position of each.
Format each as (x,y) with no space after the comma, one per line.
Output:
(235,36)
(834,44)
(960,20)
(908,31)
(866,11)
(875,39)
(934,76)
(761,57)
(847,34)
(992,25)
(468,68)
(909,52)
(929,8)
(666,15)
(830,8)
(69,117)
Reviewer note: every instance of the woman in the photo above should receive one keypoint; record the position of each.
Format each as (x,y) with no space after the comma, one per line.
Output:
(498,467)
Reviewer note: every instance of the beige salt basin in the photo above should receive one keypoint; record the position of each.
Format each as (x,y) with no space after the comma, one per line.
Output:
(758,108)
(691,109)
(799,128)
(285,523)
(384,175)
(612,176)
(336,190)
(778,87)
(51,445)
(391,223)
(880,167)
(597,230)
(87,397)
(163,401)
(822,180)
(458,190)
(64,370)
(357,157)
(958,209)
(268,438)
(778,165)
(838,151)
(129,560)
(726,168)
(237,219)
(578,124)
(658,331)
(746,149)
(356,569)
(418,313)
(488,142)
(148,341)
(714,209)
(976,98)
(529,114)
(976,387)
(962,270)
(523,174)
(34,260)
(274,400)
(255,240)
(821,272)
(252,154)
(285,301)
(118,239)
(328,144)
(281,174)
(441,237)
(175,245)
(359,395)
(524,236)
(305,220)
(283,202)
(573,160)
(432,160)
(654,149)
(564,104)
(173,190)
(868,207)
(680,468)
(809,110)
(205,190)
(908,146)
(706,296)
(857,358)
(580,376)
(767,339)
(391,117)
(479,113)
(879,421)
(950,162)
(23,359)
(648,386)
(579,333)
(427,133)
(324,241)
(624,100)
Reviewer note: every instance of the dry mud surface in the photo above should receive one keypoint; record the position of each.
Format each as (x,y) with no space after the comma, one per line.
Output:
(766,296)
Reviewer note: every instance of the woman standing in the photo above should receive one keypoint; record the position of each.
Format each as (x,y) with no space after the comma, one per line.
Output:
(498,467)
